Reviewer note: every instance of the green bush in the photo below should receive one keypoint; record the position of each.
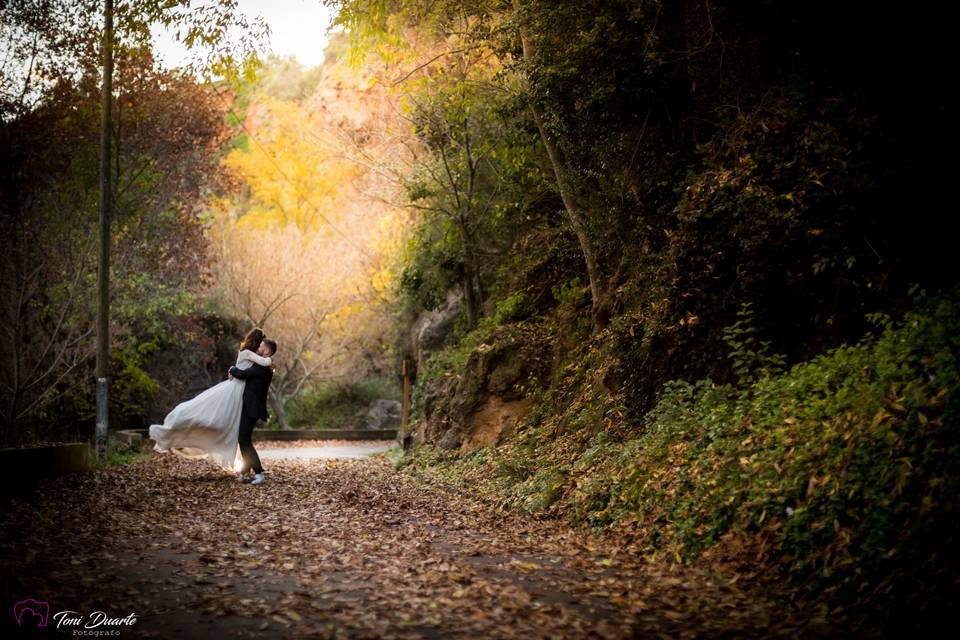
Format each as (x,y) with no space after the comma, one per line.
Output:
(751,357)
(839,477)
(330,406)
(850,463)
(513,307)
(572,293)
(132,388)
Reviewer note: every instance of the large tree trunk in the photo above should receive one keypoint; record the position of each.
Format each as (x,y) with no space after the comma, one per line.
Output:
(571,201)
(277,404)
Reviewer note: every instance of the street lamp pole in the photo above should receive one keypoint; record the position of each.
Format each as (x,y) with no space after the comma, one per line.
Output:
(103,269)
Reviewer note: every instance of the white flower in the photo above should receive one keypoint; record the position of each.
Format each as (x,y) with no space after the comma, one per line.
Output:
(789,511)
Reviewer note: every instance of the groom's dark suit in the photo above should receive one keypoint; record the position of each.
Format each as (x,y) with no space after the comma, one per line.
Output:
(258,380)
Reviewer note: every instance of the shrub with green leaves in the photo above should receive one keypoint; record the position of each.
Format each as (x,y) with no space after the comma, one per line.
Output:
(513,307)
(332,405)
(848,466)
(839,476)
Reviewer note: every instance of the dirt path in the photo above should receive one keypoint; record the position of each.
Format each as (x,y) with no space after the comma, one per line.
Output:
(342,549)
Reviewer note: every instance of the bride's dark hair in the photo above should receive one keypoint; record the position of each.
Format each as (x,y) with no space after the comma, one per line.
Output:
(252,340)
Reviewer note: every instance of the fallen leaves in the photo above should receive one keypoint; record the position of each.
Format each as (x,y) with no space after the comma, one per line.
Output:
(351,549)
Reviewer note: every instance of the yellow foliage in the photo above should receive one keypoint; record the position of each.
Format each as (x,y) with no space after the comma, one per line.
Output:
(302,251)
(292,175)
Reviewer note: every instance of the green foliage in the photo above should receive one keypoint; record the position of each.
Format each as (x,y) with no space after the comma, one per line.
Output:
(589,106)
(848,461)
(120,452)
(132,388)
(144,303)
(433,262)
(513,307)
(394,454)
(163,169)
(572,293)
(839,475)
(454,357)
(744,181)
(751,358)
(119,456)
(332,405)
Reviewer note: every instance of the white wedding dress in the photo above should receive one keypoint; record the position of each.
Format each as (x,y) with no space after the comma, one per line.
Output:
(208,425)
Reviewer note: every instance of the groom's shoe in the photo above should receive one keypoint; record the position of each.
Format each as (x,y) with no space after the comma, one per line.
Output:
(257,479)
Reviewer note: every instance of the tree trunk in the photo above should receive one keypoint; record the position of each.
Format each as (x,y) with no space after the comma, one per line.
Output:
(277,404)
(571,202)
(471,277)
(470,302)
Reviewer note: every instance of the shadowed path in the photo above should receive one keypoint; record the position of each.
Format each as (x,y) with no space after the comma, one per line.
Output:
(343,549)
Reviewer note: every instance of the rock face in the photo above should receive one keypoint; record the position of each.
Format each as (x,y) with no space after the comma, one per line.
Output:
(380,414)
(495,417)
(486,399)
(431,328)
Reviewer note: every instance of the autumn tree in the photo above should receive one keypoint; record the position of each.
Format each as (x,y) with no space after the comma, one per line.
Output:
(441,141)
(49,125)
(299,254)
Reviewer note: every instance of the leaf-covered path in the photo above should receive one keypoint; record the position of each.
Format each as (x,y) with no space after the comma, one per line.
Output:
(344,549)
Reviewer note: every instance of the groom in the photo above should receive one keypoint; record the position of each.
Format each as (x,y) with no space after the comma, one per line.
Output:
(258,380)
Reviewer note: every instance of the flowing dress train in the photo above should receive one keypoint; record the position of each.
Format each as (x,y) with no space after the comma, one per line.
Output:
(208,425)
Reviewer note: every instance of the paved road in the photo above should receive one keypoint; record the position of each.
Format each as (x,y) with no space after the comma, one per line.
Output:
(360,450)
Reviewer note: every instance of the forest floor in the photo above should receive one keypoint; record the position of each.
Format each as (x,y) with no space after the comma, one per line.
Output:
(345,549)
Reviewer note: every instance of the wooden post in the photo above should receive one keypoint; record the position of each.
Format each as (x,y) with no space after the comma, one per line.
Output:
(103,268)
(406,400)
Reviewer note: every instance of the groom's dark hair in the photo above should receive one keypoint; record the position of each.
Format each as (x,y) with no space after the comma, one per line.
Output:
(271,344)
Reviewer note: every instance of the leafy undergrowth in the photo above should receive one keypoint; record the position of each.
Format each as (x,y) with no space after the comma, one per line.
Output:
(840,476)
(346,549)
(335,405)
(120,453)
(125,457)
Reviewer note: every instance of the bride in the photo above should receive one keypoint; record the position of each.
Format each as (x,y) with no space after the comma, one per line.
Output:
(208,425)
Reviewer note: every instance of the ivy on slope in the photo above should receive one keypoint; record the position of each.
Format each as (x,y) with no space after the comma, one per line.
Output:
(840,476)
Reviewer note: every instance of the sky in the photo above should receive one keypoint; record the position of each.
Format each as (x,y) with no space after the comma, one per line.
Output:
(297,27)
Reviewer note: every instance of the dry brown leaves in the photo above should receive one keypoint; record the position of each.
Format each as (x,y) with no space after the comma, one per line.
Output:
(346,549)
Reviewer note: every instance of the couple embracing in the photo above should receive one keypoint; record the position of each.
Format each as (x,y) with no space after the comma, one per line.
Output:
(218,423)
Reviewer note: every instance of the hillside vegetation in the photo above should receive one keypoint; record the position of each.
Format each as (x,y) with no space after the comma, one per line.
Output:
(705,269)
(838,475)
